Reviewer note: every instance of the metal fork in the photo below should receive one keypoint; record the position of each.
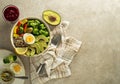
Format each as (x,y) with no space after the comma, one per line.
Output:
(56,40)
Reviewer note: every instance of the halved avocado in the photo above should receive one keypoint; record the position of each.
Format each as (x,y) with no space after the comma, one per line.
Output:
(51,17)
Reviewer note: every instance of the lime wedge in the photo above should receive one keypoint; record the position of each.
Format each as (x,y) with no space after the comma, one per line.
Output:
(21,51)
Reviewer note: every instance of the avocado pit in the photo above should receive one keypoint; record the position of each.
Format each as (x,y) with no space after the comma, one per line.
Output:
(52,18)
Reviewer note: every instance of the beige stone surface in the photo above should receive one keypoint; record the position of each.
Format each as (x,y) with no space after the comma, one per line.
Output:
(94,22)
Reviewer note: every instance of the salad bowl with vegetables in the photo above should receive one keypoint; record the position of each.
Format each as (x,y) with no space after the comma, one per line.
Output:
(30,37)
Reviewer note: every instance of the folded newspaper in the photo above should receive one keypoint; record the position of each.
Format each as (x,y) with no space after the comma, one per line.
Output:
(55,62)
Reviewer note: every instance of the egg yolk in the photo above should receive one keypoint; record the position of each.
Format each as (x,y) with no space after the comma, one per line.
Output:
(17,68)
(29,39)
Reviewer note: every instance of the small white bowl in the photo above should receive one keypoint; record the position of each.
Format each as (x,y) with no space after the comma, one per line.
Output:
(6,70)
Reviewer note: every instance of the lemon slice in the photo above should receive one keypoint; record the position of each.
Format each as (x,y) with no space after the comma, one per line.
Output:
(21,51)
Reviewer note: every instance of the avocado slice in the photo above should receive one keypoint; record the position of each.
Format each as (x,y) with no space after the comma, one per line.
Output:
(30,52)
(39,48)
(41,38)
(36,47)
(51,17)
(43,44)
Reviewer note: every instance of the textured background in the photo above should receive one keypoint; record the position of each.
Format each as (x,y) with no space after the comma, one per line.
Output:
(94,22)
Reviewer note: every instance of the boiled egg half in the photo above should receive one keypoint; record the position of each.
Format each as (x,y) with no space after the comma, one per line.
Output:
(16,68)
(29,38)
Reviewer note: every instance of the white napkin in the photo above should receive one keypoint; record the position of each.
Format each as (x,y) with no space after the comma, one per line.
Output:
(58,58)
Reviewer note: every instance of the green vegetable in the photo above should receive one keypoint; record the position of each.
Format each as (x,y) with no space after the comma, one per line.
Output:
(42,26)
(33,24)
(10,58)
(35,31)
(44,32)
(29,22)
(21,30)
(6,61)
(37,21)
(41,31)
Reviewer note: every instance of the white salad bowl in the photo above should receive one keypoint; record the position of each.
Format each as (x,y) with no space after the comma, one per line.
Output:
(13,42)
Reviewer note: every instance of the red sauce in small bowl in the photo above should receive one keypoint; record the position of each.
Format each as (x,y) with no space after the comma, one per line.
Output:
(11,13)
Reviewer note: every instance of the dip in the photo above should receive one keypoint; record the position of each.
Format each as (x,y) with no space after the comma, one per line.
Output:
(6,76)
(11,13)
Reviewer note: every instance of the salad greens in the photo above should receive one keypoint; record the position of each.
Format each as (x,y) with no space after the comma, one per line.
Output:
(10,58)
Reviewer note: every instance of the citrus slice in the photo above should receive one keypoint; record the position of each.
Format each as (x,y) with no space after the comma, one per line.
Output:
(21,51)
